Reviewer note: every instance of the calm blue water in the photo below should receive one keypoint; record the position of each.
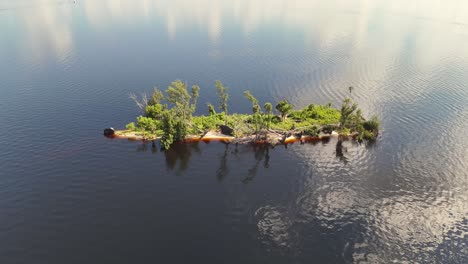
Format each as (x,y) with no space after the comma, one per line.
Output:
(69,195)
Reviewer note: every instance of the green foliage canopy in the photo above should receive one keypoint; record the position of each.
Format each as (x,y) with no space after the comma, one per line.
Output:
(154,111)
(195,92)
(156,97)
(223,98)
(168,127)
(269,111)
(284,108)
(178,95)
(347,109)
(147,124)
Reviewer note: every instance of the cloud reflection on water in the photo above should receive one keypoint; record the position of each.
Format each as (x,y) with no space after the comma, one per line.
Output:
(402,222)
(363,42)
(45,30)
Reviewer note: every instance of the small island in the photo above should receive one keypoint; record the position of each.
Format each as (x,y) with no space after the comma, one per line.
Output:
(168,117)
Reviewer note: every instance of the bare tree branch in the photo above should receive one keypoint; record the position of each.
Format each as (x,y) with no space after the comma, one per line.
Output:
(140,104)
(144,100)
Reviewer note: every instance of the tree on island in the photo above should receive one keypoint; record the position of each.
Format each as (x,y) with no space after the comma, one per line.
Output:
(255,106)
(347,109)
(223,99)
(351,119)
(172,122)
(211,109)
(168,126)
(195,94)
(176,120)
(178,95)
(269,110)
(284,108)
(256,109)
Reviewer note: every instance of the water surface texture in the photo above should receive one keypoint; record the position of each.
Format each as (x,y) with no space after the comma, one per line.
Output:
(69,195)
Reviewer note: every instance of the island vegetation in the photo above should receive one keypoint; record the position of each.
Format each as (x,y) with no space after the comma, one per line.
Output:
(169,117)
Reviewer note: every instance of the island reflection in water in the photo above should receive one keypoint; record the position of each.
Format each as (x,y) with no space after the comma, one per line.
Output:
(179,155)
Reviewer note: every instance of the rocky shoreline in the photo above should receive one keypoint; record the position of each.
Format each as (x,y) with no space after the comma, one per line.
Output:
(266,137)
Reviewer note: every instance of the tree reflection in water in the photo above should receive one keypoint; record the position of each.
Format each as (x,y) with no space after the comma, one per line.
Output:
(261,152)
(223,169)
(143,147)
(178,156)
(181,152)
(340,150)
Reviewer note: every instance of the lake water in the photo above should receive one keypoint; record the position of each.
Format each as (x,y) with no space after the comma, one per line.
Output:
(69,195)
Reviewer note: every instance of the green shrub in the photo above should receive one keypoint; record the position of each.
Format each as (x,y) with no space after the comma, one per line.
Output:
(130,126)
(276,119)
(147,124)
(317,114)
(367,135)
(372,124)
(311,131)
(287,124)
(206,122)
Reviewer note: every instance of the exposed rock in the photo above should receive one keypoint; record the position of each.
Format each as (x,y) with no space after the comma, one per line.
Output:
(225,130)
(108,132)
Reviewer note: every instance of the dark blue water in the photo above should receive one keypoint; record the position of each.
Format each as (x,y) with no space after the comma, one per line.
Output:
(69,195)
